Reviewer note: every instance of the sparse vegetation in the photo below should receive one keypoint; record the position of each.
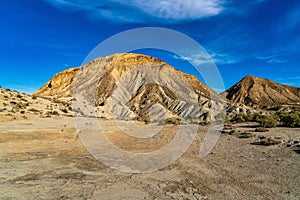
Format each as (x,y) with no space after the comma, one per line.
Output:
(49,113)
(60,102)
(246,135)
(147,121)
(268,141)
(240,118)
(290,119)
(64,110)
(34,110)
(173,120)
(268,121)
(261,129)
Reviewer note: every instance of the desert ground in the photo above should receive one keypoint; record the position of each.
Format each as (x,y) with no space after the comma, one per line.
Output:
(44,158)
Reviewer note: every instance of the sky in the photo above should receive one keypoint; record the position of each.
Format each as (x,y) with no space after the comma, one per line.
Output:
(40,38)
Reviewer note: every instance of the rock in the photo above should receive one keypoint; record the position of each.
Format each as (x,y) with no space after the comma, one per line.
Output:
(263,93)
(133,86)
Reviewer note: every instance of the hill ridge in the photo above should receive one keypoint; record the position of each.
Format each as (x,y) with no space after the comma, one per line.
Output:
(262,92)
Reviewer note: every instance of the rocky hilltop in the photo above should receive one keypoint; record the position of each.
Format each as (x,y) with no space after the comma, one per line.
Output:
(262,93)
(134,86)
(15,106)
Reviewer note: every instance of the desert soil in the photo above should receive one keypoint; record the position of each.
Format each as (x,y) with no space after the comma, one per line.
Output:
(43,158)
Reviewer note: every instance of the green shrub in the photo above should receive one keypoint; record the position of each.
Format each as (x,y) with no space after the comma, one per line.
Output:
(268,121)
(55,112)
(257,117)
(173,120)
(291,120)
(34,97)
(238,118)
(147,121)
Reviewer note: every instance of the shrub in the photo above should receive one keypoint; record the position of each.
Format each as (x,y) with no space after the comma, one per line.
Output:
(173,120)
(246,135)
(291,120)
(55,112)
(64,110)
(238,118)
(19,96)
(257,117)
(34,97)
(52,113)
(268,121)
(58,101)
(33,110)
(147,121)
(21,105)
(261,129)
(270,141)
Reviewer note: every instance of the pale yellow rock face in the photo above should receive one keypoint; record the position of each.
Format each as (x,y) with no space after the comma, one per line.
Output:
(61,85)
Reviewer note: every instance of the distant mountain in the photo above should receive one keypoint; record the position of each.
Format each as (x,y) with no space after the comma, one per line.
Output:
(260,92)
(134,86)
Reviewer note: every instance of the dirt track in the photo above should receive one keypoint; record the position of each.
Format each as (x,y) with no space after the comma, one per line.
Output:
(44,159)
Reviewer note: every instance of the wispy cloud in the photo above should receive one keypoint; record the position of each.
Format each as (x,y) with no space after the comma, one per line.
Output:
(272,59)
(168,11)
(203,58)
(180,10)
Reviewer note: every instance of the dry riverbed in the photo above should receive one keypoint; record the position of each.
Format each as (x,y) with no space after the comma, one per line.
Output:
(44,158)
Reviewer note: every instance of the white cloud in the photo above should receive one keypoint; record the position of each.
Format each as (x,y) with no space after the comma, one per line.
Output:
(203,58)
(180,10)
(272,59)
(167,11)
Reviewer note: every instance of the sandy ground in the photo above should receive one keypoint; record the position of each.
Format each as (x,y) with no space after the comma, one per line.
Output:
(44,158)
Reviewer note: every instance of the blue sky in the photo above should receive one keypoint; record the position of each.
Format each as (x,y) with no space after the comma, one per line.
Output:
(42,37)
